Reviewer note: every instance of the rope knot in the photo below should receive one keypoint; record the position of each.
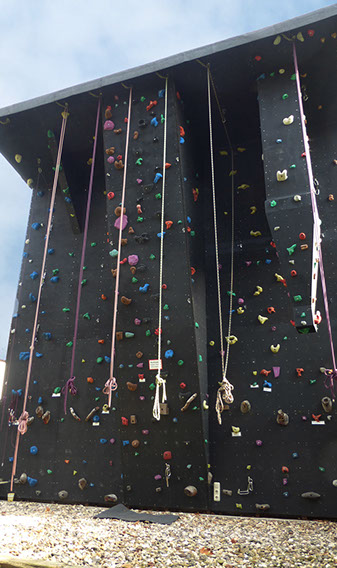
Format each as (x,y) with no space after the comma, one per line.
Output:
(330,377)
(110,386)
(160,382)
(224,395)
(69,386)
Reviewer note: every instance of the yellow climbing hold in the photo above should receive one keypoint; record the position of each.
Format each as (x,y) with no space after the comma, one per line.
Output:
(253,210)
(300,36)
(254,373)
(30,182)
(278,277)
(223,153)
(258,291)
(262,319)
(241,149)
(277,40)
(205,405)
(243,186)
(18,158)
(275,348)
(235,429)
(74,472)
(231,339)
(212,343)
(281,71)
(233,172)
(89,162)
(255,234)
(240,310)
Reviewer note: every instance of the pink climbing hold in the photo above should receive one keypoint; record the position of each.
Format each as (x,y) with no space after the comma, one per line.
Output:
(109,125)
(241,301)
(111,159)
(248,262)
(138,321)
(117,223)
(133,259)
(140,365)
(139,181)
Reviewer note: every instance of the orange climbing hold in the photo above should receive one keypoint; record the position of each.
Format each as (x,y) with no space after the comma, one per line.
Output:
(168,224)
(195,194)
(90,380)
(101,341)
(271,310)
(299,371)
(167,165)
(151,105)
(193,271)
(103,297)
(66,461)
(265,372)
(181,131)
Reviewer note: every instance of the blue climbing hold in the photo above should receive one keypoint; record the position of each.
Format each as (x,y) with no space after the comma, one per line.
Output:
(40,400)
(144,288)
(67,199)
(154,121)
(36,226)
(262,76)
(157,177)
(161,93)
(33,450)
(31,481)
(27,330)
(40,193)
(279,141)
(24,355)
(268,261)
(15,315)
(103,440)
(54,279)
(295,455)
(38,355)
(182,140)
(121,366)
(32,297)
(167,318)
(126,442)
(11,459)
(161,235)
(188,219)
(51,251)
(47,335)
(25,255)
(267,385)
(33,275)
(107,359)
(169,353)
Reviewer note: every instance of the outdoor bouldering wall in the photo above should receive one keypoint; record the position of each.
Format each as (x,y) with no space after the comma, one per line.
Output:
(274,452)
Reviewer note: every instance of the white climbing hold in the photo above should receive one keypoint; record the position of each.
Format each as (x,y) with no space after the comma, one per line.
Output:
(288,120)
(282,176)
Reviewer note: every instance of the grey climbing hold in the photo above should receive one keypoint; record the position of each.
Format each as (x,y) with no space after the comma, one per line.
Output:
(227,492)
(282,418)
(110,498)
(326,404)
(190,491)
(63,494)
(262,506)
(23,478)
(82,483)
(310,495)
(245,406)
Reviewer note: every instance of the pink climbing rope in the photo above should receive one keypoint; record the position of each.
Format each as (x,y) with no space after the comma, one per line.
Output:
(70,383)
(332,375)
(111,383)
(65,115)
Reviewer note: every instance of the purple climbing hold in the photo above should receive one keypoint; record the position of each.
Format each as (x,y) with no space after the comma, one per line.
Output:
(112,440)
(109,125)
(117,223)
(276,371)
(133,259)
(111,159)
(258,442)
(157,477)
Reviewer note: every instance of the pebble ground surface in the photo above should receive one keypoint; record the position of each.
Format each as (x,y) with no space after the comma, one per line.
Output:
(68,535)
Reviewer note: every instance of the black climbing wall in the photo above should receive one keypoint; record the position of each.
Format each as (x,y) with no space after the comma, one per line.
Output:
(254,464)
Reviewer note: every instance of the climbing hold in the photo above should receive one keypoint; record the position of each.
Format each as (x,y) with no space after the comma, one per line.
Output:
(275,348)
(126,301)
(31,481)
(282,176)
(297,198)
(326,404)
(298,298)
(231,339)
(46,417)
(282,418)
(245,406)
(190,491)
(288,120)
(157,177)
(74,415)
(255,234)
(144,288)
(258,291)
(310,495)
(108,125)
(262,506)
(291,249)
(63,494)
(82,483)
(33,450)
(293,273)
(273,203)
(133,259)
(262,319)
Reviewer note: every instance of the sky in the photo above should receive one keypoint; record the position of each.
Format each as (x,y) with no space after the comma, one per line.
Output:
(48,45)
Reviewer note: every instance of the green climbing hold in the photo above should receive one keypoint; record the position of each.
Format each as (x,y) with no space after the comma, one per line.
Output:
(152,386)
(65,310)
(200,358)
(139,162)
(86,316)
(201,479)
(285,338)
(189,465)
(148,333)
(128,334)
(84,281)
(97,399)
(50,134)
(69,344)
(55,271)
(180,362)
(312,381)
(272,74)
(230,293)
(152,257)
(162,119)
(60,168)
(273,203)
(298,298)
(71,253)
(303,314)
(192,233)
(84,267)
(158,196)
(134,280)
(291,249)
(57,390)
(196,325)
(285,96)
(321,469)
(166,307)
(304,330)
(142,99)
(136,453)
(258,262)
(66,190)
(195,408)
(140,219)
(93,244)
(61,419)
(179,222)
(99,360)
(113,253)
(292,167)
(49,471)
(293,77)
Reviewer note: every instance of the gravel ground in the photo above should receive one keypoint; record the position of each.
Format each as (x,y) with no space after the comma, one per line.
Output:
(69,535)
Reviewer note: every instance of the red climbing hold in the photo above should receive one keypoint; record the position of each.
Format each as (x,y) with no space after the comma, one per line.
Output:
(181,131)
(257,57)
(182,385)
(167,455)
(293,273)
(126,119)
(265,372)
(303,155)
(125,421)
(167,165)
(123,261)
(119,157)
(168,224)
(302,236)
(158,331)
(151,105)
(90,380)
(103,297)
(164,286)
(101,341)
(111,195)
(193,271)
(316,417)
(272,244)
(271,310)
(299,371)
(195,194)
(311,33)
(178,96)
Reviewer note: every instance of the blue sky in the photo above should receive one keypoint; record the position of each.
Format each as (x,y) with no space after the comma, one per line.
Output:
(48,45)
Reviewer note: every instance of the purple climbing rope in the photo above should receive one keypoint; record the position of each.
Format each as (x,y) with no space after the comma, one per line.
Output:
(331,376)
(70,383)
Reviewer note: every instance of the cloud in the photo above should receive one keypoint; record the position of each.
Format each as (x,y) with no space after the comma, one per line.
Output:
(49,45)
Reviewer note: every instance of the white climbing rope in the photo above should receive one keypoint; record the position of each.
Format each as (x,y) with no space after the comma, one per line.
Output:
(160,382)
(224,393)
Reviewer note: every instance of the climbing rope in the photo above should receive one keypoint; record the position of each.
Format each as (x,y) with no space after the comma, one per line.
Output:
(224,393)
(160,382)
(317,241)
(64,115)
(70,382)
(111,383)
